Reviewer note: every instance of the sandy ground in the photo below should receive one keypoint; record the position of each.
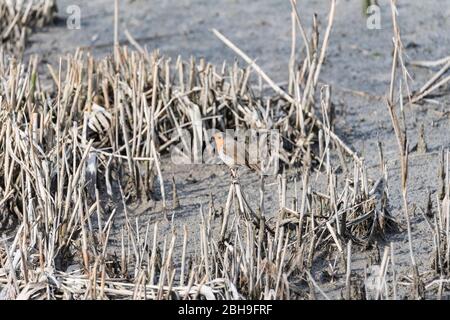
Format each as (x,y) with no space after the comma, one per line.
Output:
(358,60)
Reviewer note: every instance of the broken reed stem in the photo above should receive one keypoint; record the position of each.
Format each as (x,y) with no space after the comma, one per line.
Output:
(430,64)
(394,273)
(302,32)
(349,271)
(116,35)
(325,41)
(402,140)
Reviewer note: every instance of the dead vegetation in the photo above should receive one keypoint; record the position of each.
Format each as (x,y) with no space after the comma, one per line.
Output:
(73,157)
(19,18)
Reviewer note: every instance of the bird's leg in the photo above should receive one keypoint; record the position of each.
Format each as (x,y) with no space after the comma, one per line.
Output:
(234,176)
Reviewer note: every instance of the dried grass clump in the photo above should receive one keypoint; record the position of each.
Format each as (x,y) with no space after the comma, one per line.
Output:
(19,17)
(117,123)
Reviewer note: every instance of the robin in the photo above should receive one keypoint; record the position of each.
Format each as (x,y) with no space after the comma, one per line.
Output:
(235,154)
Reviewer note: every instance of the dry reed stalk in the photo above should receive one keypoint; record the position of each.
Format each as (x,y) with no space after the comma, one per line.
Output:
(430,64)
(402,138)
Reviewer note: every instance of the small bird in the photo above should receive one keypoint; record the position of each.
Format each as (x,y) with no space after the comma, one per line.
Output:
(235,154)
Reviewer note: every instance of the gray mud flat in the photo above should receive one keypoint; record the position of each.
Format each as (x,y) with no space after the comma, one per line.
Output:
(357,67)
